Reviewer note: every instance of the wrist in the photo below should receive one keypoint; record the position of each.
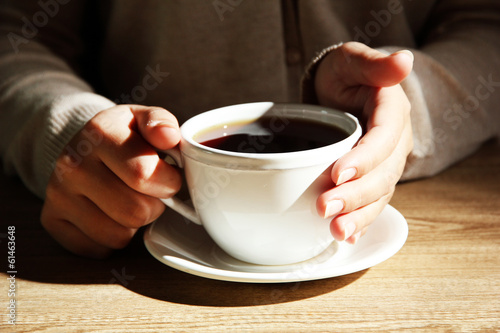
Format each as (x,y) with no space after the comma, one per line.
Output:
(308,86)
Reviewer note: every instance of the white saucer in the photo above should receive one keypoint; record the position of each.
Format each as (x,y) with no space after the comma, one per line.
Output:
(186,246)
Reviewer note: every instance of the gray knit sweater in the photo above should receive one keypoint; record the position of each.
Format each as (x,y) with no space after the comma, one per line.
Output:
(63,61)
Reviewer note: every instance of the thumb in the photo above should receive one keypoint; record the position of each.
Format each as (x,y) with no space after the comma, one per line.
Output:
(157,126)
(362,65)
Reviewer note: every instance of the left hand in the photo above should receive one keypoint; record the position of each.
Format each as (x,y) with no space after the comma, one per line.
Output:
(365,82)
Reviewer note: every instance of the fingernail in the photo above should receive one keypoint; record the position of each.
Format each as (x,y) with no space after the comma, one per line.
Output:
(407,52)
(346,175)
(349,230)
(354,238)
(159,123)
(164,126)
(333,208)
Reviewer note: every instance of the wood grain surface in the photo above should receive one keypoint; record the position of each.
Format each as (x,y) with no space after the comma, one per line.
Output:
(446,278)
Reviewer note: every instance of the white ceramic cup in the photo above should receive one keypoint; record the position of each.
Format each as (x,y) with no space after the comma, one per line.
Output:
(260,207)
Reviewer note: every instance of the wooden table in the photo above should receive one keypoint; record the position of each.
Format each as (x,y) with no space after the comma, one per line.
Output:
(445,279)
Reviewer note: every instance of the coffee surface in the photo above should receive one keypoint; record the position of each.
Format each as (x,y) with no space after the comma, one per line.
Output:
(276,135)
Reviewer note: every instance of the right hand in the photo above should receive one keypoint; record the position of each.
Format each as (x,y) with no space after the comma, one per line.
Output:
(107,181)
(365,82)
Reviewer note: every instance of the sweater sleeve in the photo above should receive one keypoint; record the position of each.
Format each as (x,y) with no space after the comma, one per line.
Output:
(454,88)
(43,103)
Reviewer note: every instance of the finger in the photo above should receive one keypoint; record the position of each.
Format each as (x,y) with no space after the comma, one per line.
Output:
(359,64)
(69,236)
(345,226)
(129,208)
(354,238)
(86,217)
(138,165)
(113,197)
(352,195)
(362,191)
(96,225)
(389,118)
(158,126)
(128,155)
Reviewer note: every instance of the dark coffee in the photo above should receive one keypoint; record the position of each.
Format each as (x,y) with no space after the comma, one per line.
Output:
(273,135)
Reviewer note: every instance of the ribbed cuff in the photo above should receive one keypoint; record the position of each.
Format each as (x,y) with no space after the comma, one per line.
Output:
(67,116)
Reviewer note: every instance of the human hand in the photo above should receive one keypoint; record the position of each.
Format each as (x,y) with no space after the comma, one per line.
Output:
(107,181)
(365,82)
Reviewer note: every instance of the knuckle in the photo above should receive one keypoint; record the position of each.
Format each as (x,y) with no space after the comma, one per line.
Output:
(389,183)
(69,171)
(68,163)
(393,139)
(138,212)
(100,122)
(96,122)
(140,175)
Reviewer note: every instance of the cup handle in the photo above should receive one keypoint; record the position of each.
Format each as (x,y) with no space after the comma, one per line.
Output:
(175,203)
